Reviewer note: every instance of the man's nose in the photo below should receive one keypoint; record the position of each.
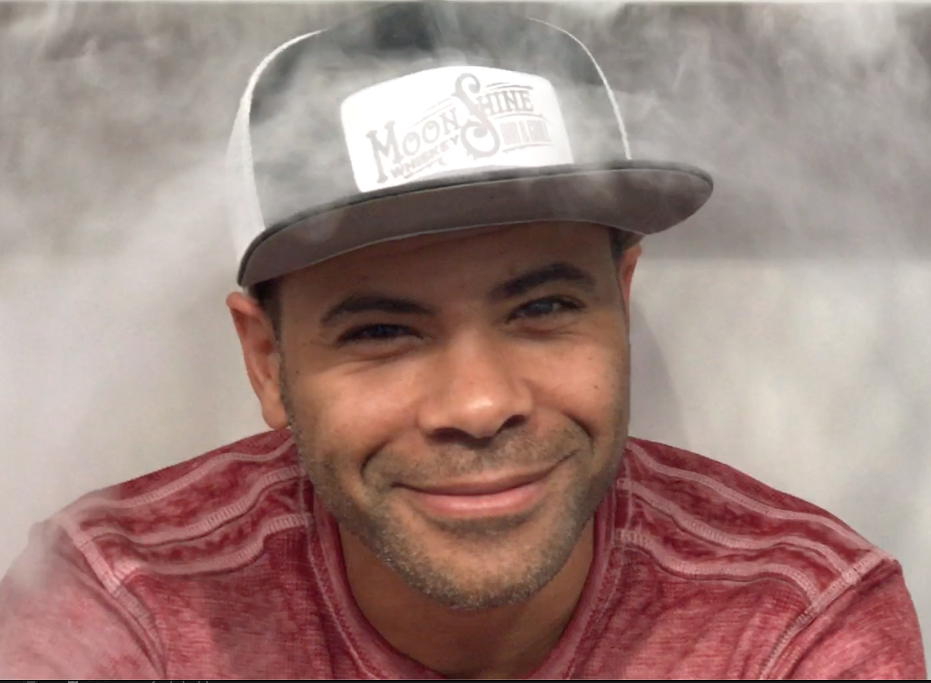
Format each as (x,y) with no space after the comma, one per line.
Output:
(474,389)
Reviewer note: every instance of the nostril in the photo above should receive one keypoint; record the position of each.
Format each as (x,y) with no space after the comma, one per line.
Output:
(514,421)
(461,437)
(449,436)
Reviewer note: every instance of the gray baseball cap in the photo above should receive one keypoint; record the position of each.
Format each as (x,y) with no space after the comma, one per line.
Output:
(424,117)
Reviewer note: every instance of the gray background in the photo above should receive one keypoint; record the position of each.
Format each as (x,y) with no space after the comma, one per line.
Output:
(784,330)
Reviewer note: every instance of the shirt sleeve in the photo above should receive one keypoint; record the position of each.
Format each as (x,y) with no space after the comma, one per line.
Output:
(58,621)
(870,633)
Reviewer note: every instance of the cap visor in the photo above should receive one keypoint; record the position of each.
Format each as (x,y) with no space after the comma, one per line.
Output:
(635,196)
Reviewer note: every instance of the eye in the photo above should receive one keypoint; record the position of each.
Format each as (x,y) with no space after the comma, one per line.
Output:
(374,333)
(553,305)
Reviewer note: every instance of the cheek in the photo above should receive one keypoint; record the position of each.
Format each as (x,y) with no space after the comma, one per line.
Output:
(587,382)
(353,413)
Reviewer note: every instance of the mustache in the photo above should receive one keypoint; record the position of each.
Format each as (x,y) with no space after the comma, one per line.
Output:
(432,467)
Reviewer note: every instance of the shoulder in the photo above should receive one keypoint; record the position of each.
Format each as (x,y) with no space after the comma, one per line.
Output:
(148,561)
(717,575)
(206,514)
(700,517)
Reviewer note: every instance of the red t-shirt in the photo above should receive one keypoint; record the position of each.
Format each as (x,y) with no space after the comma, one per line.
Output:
(214,568)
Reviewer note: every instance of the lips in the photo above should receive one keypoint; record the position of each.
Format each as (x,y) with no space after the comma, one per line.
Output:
(483,487)
(501,496)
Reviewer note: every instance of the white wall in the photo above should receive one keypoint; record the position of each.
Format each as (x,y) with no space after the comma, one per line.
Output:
(784,331)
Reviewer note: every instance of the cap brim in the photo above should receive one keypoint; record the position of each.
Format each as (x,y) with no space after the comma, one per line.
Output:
(634,196)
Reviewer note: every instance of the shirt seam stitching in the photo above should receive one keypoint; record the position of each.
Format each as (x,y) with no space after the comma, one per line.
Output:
(846,581)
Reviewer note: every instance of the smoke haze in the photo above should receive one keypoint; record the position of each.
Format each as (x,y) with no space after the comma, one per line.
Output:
(783,330)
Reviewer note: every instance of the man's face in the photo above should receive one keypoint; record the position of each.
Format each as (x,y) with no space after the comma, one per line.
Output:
(415,372)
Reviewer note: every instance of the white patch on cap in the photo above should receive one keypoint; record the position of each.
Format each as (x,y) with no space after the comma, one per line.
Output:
(451,120)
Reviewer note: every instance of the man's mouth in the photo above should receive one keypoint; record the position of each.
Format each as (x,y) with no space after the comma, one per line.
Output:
(491,496)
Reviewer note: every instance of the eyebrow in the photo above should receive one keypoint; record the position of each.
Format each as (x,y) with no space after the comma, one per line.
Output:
(554,272)
(518,286)
(366,303)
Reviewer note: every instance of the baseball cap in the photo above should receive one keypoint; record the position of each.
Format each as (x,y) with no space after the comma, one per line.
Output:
(424,117)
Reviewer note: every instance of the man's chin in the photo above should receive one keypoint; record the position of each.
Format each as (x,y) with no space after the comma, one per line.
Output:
(458,590)
(482,564)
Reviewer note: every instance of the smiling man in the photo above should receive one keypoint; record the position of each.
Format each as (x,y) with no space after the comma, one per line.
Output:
(440,221)
(461,404)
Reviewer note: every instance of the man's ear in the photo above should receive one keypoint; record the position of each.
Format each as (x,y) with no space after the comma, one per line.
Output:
(260,352)
(625,274)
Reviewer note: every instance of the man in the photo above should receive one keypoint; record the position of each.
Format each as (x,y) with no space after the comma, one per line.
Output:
(435,323)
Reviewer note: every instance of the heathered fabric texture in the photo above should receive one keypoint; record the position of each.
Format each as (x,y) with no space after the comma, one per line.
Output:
(216,568)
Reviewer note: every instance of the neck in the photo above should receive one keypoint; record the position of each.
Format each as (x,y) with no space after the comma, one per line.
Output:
(503,642)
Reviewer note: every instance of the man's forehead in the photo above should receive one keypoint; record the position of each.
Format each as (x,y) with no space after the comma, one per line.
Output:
(484,256)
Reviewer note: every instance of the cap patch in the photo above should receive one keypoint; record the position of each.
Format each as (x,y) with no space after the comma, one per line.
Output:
(451,120)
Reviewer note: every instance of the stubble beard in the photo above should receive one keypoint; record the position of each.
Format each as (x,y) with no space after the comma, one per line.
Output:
(518,573)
